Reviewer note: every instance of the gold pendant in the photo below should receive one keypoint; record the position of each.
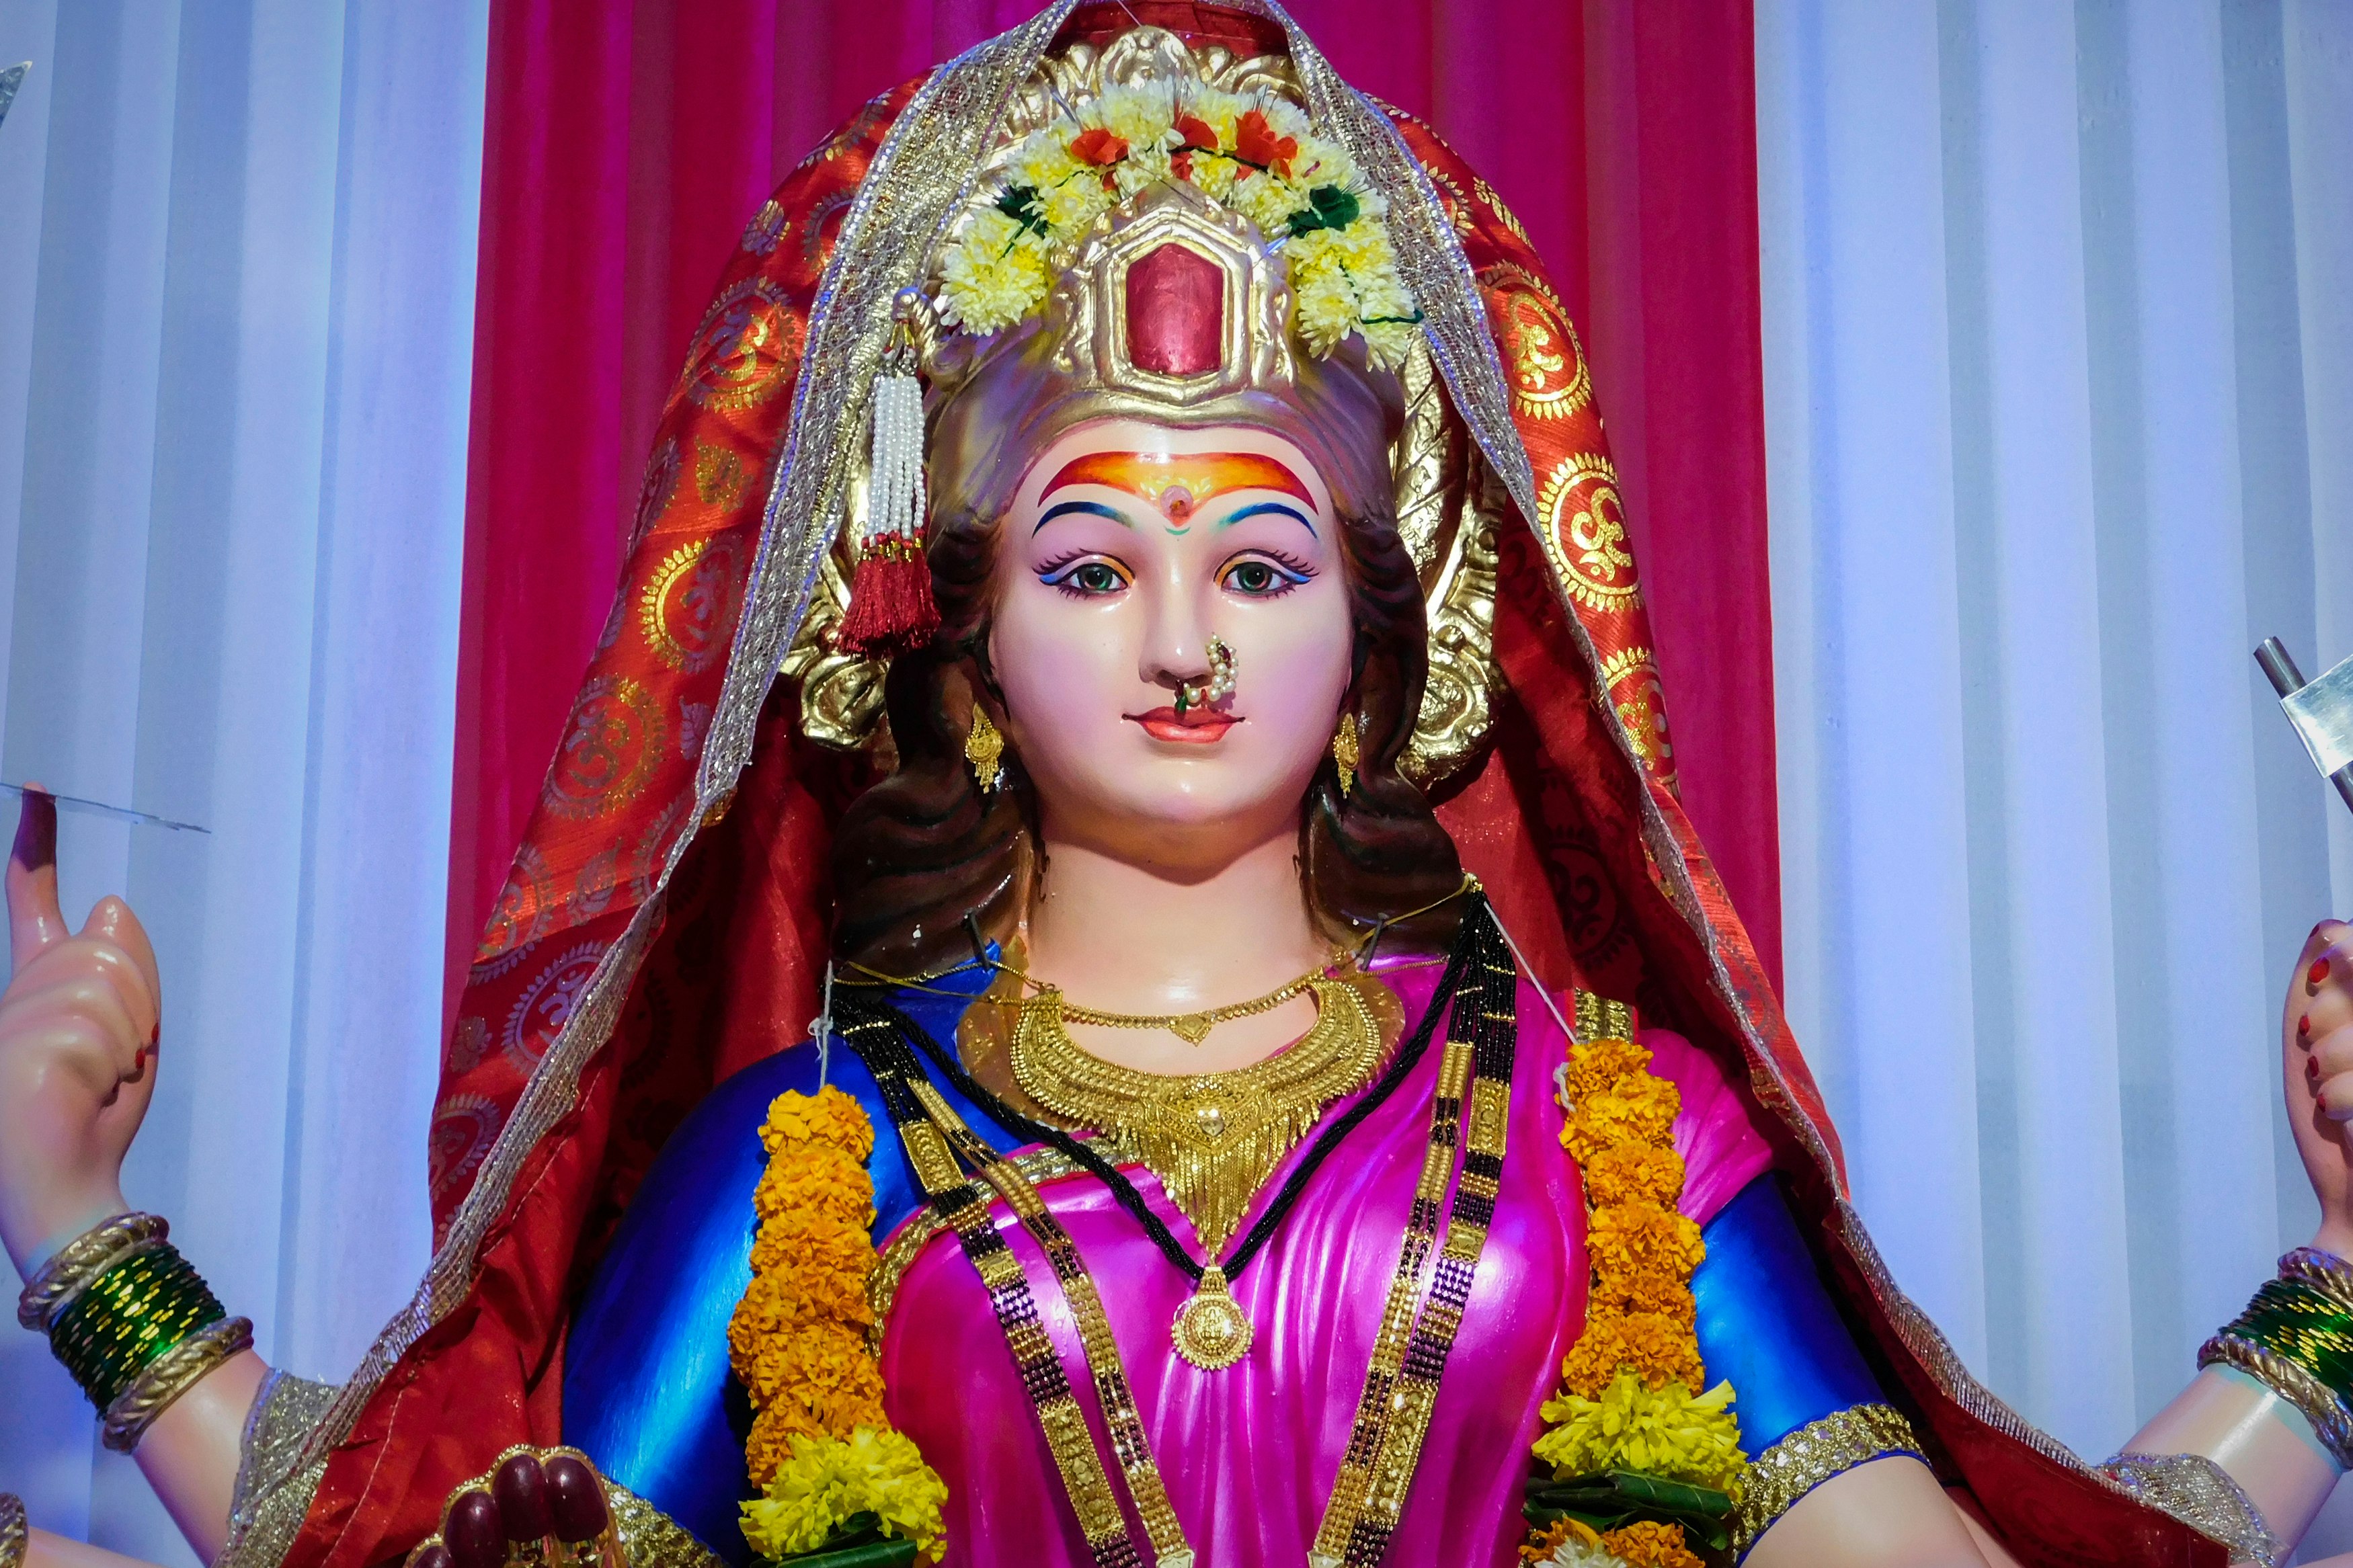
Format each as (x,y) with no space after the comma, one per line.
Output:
(1210,1331)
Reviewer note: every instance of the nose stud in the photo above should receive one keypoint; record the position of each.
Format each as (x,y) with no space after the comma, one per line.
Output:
(1217,684)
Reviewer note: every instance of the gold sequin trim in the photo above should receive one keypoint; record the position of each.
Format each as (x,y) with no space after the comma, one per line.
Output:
(651,1538)
(1811,1455)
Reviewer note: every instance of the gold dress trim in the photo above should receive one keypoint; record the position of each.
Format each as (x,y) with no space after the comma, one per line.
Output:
(1811,1455)
(651,1538)
(1211,1137)
(2200,1494)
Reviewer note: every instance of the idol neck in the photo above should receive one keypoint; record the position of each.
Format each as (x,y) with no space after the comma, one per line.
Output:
(1120,932)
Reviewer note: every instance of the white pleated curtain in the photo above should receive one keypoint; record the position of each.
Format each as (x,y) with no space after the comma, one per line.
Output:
(2059,365)
(236,263)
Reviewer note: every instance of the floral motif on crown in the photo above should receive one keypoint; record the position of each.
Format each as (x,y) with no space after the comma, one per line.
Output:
(1252,153)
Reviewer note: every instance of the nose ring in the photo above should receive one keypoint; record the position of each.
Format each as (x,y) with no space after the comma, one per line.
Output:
(1217,686)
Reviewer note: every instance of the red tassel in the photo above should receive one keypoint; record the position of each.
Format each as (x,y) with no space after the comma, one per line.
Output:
(891,605)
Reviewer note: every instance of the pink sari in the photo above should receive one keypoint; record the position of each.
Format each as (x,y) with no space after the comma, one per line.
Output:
(1248,1453)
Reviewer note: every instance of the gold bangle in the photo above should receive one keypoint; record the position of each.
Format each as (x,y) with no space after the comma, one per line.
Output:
(56,1283)
(167,1377)
(14,1536)
(2324,1271)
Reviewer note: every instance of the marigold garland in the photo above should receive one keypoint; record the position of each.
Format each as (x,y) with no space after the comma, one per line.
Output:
(1627,1402)
(1567,1543)
(1257,157)
(820,1448)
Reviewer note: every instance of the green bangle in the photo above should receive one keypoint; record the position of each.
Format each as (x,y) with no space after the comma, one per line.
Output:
(129,1316)
(2305,1324)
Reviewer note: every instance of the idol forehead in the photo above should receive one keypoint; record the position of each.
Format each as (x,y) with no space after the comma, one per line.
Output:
(1151,461)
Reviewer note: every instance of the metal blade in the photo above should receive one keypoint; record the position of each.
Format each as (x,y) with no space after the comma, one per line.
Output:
(99,808)
(10,81)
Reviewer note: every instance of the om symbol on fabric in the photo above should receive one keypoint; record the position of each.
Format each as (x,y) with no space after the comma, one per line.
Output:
(546,1005)
(689,609)
(747,348)
(1631,678)
(1583,528)
(1549,380)
(609,749)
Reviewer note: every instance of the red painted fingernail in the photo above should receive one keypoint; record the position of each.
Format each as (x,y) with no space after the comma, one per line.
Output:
(2312,1069)
(2317,973)
(2303,1028)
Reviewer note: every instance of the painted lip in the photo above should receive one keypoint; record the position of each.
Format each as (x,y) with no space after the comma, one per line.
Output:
(1194,727)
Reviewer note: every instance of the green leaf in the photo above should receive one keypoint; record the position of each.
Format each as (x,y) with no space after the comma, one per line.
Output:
(1021,203)
(1633,1488)
(890,1554)
(1328,206)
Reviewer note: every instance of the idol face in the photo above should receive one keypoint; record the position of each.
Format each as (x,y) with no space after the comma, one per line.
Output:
(1128,548)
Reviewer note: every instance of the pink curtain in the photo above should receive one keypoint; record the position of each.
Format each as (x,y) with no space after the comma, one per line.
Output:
(628,141)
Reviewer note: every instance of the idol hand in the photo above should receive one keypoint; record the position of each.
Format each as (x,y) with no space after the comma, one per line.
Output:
(2316,1026)
(78,1035)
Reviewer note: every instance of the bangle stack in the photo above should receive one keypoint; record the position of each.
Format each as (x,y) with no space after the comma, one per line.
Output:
(131,1320)
(2296,1339)
(15,1537)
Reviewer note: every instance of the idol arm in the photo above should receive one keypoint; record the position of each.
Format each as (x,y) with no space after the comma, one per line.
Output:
(81,1048)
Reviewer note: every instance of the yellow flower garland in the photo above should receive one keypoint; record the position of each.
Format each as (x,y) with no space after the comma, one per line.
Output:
(820,1446)
(1256,156)
(1626,1402)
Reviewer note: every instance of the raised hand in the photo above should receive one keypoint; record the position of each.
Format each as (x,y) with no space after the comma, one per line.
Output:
(2316,1032)
(80,1032)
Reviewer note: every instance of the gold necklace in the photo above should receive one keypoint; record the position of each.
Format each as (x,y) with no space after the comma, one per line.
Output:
(1190,1028)
(1212,1139)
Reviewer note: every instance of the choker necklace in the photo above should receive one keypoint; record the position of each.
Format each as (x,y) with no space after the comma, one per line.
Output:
(1211,1137)
(1190,1028)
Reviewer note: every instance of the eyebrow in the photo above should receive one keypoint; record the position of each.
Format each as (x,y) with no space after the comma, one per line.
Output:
(1092,509)
(1279,510)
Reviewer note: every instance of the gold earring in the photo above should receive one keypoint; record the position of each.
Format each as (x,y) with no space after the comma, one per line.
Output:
(1344,751)
(983,747)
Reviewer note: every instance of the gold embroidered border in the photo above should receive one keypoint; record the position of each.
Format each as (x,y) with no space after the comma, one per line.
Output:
(2200,1494)
(651,1538)
(1811,1455)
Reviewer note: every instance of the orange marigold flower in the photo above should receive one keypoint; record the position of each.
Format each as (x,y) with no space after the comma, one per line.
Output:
(1556,1535)
(810,1363)
(1646,1291)
(1642,1238)
(1595,1065)
(805,1241)
(1661,1349)
(1633,1173)
(817,1179)
(1099,146)
(1650,1544)
(1256,143)
(827,1117)
(1631,1111)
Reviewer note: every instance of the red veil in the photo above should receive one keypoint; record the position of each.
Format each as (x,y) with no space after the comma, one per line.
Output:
(666,919)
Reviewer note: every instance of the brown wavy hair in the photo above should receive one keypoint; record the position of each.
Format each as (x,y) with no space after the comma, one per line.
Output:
(923,861)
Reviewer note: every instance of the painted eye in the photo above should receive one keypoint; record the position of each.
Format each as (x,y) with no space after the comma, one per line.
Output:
(1088,578)
(1256,577)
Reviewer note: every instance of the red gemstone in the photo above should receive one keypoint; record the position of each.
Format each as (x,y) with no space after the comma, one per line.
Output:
(1176,312)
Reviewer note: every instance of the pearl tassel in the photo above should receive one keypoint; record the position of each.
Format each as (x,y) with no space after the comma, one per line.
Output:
(891,605)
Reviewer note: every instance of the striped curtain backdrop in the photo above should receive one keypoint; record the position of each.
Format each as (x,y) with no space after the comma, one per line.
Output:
(236,277)
(2058,393)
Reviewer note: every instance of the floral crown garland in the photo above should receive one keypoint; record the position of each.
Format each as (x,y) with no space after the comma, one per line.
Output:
(1256,156)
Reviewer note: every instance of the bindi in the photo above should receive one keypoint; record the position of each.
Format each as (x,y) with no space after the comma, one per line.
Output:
(1178,485)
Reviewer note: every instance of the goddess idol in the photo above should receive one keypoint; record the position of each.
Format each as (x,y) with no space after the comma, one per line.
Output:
(1109,972)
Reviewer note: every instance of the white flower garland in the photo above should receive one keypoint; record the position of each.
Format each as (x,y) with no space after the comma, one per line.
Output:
(1257,157)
